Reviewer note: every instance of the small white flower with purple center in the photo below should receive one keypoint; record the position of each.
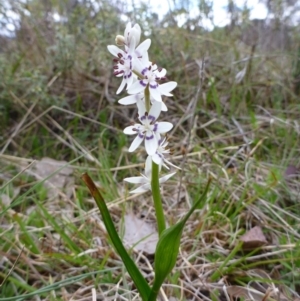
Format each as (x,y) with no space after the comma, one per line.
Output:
(160,155)
(151,76)
(123,65)
(149,129)
(145,179)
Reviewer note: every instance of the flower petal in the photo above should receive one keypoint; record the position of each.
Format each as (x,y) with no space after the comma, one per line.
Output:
(135,88)
(163,127)
(127,29)
(166,177)
(156,158)
(136,180)
(131,130)
(132,45)
(129,100)
(135,143)
(123,83)
(155,93)
(141,53)
(141,189)
(157,135)
(132,34)
(144,46)
(148,168)
(171,164)
(163,105)
(165,88)
(162,72)
(151,143)
(114,50)
(129,79)
(155,109)
(164,108)
(138,64)
(141,106)
(136,31)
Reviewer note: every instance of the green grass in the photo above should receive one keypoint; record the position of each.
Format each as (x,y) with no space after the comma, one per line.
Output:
(57,100)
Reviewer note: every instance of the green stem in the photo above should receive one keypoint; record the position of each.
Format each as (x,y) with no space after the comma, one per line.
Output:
(147,99)
(154,292)
(160,217)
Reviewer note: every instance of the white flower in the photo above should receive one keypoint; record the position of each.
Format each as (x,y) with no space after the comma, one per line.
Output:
(132,36)
(145,179)
(123,65)
(135,98)
(141,54)
(149,129)
(160,155)
(130,33)
(151,76)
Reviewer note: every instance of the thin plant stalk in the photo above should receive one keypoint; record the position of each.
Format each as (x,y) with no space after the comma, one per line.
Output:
(160,217)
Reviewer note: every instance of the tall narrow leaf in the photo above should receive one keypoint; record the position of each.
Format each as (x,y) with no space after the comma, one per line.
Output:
(135,274)
(168,247)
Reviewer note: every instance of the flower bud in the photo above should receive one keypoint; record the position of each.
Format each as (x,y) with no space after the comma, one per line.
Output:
(120,40)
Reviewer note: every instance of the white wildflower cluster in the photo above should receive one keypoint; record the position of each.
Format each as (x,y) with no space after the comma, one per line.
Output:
(144,84)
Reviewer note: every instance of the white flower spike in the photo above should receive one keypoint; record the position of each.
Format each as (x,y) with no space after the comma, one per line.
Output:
(145,84)
(149,129)
(145,179)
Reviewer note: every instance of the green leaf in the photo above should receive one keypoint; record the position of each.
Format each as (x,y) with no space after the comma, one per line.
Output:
(168,247)
(135,274)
